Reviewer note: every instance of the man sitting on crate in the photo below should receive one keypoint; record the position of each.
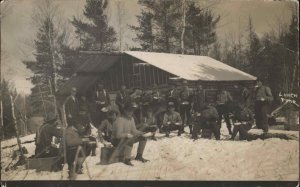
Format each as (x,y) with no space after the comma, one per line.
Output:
(105,129)
(172,120)
(75,143)
(125,134)
(43,140)
(148,122)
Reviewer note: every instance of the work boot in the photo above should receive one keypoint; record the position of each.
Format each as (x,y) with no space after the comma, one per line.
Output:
(167,134)
(179,133)
(153,138)
(128,162)
(139,157)
(79,169)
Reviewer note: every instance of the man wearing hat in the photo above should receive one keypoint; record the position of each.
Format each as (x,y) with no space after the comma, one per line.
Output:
(125,134)
(263,98)
(102,101)
(43,140)
(72,108)
(172,120)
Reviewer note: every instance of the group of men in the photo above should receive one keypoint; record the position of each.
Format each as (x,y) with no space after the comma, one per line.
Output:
(141,113)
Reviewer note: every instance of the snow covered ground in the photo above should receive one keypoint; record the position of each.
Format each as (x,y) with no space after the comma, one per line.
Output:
(180,158)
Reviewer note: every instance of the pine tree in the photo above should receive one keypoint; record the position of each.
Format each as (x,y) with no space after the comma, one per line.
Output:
(144,32)
(201,29)
(165,18)
(253,52)
(95,34)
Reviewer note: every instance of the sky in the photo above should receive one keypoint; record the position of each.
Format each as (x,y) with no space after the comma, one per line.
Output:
(18,30)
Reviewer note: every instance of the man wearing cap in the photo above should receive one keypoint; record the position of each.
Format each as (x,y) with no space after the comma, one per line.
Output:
(172,120)
(125,134)
(263,98)
(72,108)
(122,97)
(102,101)
(43,140)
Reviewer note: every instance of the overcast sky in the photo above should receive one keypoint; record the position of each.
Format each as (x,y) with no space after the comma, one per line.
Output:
(18,31)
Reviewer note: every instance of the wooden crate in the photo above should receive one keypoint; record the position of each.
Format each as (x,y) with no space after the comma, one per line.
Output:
(111,155)
(41,164)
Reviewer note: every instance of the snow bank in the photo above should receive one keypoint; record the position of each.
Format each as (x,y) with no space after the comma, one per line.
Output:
(180,158)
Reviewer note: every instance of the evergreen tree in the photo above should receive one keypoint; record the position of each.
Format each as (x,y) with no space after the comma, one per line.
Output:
(165,18)
(201,29)
(144,32)
(253,52)
(95,34)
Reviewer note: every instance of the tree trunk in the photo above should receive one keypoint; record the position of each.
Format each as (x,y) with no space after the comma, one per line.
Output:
(183,27)
(22,157)
(1,116)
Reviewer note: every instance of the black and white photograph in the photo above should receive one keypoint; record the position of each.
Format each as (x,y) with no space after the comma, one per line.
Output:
(149,90)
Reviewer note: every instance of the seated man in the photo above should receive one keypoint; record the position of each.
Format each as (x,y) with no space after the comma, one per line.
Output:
(208,121)
(51,128)
(243,120)
(105,129)
(125,134)
(148,123)
(172,120)
(73,141)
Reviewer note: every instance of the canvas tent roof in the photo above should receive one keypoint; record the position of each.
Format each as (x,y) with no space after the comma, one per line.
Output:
(191,67)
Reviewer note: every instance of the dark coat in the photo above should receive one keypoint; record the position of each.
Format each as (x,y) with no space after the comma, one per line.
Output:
(72,110)
(44,136)
(121,98)
(102,98)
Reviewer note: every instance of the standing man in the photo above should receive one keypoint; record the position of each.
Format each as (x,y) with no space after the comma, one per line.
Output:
(84,128)
(72,108)
(263,98)
(125,134)
(102,100)
(122,97)
(172,96)
(223,107)
(185,108)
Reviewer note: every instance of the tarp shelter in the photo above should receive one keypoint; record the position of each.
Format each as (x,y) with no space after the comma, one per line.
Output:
(143,69)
